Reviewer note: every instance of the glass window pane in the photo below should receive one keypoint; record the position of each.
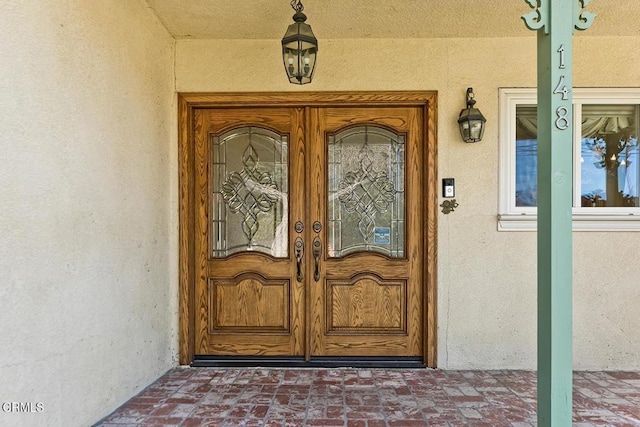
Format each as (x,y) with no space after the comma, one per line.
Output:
(249,179)
(526,156)
(366,192)
(609,156)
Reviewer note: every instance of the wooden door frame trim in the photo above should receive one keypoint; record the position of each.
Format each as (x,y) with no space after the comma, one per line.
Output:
(188,102)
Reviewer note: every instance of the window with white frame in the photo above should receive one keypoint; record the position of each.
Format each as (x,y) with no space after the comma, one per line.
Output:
(606,159)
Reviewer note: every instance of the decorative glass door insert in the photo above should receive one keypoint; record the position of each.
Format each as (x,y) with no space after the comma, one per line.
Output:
(250,192)
(366,208)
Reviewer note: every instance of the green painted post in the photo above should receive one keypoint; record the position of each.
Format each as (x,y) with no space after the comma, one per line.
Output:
(554,20)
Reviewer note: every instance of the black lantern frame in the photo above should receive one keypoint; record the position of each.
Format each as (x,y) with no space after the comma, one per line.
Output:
(299,48)
(471,121)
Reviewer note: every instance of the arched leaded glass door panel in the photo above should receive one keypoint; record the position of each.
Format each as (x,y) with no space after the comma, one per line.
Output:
(366,208)
(250,192)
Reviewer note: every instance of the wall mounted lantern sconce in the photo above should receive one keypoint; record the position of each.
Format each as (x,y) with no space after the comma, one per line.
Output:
(471,120)
(299,48)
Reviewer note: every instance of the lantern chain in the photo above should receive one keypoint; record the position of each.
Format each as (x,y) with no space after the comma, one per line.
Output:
(297,5)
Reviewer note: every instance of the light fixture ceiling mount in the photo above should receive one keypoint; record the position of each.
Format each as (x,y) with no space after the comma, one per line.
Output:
(299,48)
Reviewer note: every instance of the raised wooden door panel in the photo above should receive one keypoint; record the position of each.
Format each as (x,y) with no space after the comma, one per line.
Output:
(249,185)
(365,167)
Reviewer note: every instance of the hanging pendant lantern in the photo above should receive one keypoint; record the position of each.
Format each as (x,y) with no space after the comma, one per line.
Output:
(299,48)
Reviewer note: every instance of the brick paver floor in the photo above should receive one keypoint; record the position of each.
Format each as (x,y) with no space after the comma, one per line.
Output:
(369,398)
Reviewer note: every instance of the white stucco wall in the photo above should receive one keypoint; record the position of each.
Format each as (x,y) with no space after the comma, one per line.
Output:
(487,279)
(88,207)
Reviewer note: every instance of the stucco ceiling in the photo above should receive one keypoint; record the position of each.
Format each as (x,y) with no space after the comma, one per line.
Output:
(339,19)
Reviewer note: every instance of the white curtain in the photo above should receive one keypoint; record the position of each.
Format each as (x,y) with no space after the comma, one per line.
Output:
(596,119)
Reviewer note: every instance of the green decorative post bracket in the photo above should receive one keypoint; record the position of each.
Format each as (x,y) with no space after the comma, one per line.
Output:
(555,21)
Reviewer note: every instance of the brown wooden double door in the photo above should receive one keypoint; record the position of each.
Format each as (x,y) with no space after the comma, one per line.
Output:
(309,232)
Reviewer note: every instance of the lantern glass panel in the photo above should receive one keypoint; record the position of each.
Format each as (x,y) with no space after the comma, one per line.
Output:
(476,129)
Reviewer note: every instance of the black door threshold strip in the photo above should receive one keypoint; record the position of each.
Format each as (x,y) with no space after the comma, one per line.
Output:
(315,362)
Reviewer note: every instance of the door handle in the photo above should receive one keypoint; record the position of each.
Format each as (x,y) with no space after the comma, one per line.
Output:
(299,252)
(317,250)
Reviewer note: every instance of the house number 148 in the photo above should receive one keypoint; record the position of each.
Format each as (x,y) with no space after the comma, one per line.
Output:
(562,121)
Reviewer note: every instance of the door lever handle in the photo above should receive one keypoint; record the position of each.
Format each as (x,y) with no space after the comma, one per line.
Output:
(317,250)
(299,253)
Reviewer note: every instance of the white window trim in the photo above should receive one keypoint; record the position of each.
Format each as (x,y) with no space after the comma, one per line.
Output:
(514,218)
